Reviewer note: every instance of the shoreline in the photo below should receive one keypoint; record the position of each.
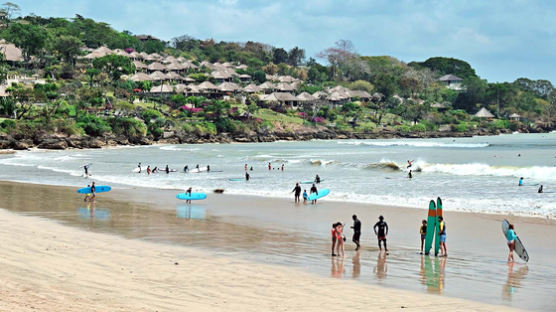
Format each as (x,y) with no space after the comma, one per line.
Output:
(61,142)
(245,228)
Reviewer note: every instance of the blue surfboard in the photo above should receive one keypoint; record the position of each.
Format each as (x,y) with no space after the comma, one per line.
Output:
(318,195)
(98,189)
(236,179)
(192,196)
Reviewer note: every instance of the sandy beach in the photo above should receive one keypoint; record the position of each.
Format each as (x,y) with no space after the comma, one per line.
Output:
(51,267)
(245,254)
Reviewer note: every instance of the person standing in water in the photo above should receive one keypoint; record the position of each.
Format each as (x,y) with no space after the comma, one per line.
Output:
(297,191)
(333,232)
(423,232)
(149,169)
(167,169)
(317,179)
(86,168)
(356,232)
(410,174)
(185,168)
(382,232)
(314,190)
(247,176)
(139,167)
(442,235)
(208,168)
(188,192)
(282,167)
(540,189)
(245,167)
(340,250)
(269,167)
(305,196)
(511,237)
(520,181)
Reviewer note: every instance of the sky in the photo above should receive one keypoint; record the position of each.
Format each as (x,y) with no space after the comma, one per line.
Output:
(502,39)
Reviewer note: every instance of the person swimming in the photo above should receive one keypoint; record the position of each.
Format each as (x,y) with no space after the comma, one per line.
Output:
(149,169)
(520,181)
(185,168)
(317,179)
(540,189)
(247,176)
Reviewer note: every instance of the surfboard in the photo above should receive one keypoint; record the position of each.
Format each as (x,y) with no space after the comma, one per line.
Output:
(236,179)
(195,170)
(320,194)
(311,182)
(192,196)
(437,227)
(431,225)
(98,189)
(519,248)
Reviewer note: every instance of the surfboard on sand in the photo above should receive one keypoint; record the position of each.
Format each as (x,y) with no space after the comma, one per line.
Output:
(98,189)
(437,227)
(320,194)
(519,248)
(431,225)
(192,196)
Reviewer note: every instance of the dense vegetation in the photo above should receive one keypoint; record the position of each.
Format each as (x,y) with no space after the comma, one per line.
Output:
(80,98)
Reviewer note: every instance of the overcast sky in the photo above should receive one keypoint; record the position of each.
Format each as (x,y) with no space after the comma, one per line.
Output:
(502,39)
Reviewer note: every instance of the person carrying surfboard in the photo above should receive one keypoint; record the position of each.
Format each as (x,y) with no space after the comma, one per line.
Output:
(442,235)
(381,232)
(314,190)
(188,192)
(93,189)
(511,237)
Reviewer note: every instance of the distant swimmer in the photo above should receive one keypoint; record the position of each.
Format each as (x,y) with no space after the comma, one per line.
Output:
(410,163)
(297,191)
(245,167)
(282,167)
(540,189)
(520,181)
(197,167)
(139,167)
(251,169)
(305,196)
(269,167)
(314,190)
(155,169)
(167,169)
(381,230)
(410,174)
(247,176)
(208,168)
(185,168)
(317,179)
(86,168)
(423,232)
(149,169)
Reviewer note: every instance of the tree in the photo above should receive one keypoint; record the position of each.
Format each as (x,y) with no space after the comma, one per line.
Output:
(473,96)
(92,72)
(446,65)
(30,38)
(279,55)
(68,47)
(259,76)
(344,62)
(154,46)
(114,65)
(361,85)
(296,56)
(7,13)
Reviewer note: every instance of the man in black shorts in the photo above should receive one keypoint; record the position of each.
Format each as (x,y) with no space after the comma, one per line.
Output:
(381,232)
(356,231)
(297,190)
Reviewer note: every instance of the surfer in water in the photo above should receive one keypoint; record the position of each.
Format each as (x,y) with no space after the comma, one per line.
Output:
(442,235)
(410,163)
(247,176)
(314,190)
(317,179)
(540,189)
(511,237)
(149,170)
(186,168)
(188,192)
(381,230)
(356,231)
(167,169)
(139,167)
(86,168)
(410,174)
(208,168)
(423,232)
(305,196)
(269,167)
(282,167)
(520,181)
(297,190)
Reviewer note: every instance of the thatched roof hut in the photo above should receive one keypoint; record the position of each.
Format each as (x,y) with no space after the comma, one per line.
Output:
(484,113)
(280,97)
(320,95)
(267,85)
(139,65)
(252,88)
(140,77)
(207,86)
(162,89)
(158,76)
(98,52)
(285,87)
(306,97)
(174,76)
(156,66)
(228,87)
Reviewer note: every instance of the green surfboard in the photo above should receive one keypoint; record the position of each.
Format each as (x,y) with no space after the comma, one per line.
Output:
(431,225)
(437,227)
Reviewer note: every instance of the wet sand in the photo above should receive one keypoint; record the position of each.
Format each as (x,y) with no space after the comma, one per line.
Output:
(278,234)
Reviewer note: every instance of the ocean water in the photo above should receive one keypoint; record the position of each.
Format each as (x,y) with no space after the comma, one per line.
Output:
(478,174)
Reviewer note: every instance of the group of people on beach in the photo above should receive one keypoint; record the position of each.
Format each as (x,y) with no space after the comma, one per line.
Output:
(313,190)
(338,239)
(90,197)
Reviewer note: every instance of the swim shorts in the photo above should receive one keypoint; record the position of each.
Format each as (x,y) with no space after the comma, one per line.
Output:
(443,238)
